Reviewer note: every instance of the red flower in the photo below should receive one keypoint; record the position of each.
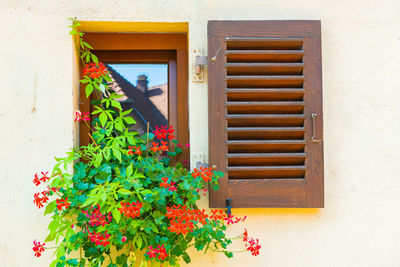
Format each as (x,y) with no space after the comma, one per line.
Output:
(165,184)
(130,210)
(44,178)
(123,239)
(36,180)
(155,147)
(137,150)
(130,152)
(152,252)
(164,146)
(216,216)
(96,217)
(252,243)
(78,116)
(38,248)
(172,188)
(254,247)
(245,235)
(94,70)
(230,219)
(204,173)
(62,203)
(85,116)
(162,253)
(163,132)
(98,238)
(39,201)
(183,219)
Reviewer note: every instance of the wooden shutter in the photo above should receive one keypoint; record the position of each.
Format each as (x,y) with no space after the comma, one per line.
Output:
(265,113)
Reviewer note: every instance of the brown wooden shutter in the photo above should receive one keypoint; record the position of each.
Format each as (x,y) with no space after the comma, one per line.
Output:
(265,113)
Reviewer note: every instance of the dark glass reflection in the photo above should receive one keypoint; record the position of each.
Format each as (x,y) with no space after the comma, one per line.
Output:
(145,90)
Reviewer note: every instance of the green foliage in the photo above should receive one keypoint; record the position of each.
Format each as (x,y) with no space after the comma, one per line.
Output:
(106,174)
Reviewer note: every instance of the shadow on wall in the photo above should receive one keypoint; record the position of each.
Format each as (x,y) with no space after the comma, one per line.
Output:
(149,104)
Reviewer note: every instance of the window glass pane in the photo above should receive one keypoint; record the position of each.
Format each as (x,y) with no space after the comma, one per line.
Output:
(145,90)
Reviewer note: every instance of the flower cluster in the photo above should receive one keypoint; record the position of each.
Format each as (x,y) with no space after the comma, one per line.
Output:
(38,248)
(163,132)
(62,203)
(171,186)
(158,252)
(82,116)
(251,243)
(97,218)
(204,173)
(39,201)
(44,178)
(137,150)
(98,238)
(131,210)
(159,148)
(230,219)
(183,220)
(95,70)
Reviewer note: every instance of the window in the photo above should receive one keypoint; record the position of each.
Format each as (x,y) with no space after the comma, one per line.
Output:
(135,61)
(265,113)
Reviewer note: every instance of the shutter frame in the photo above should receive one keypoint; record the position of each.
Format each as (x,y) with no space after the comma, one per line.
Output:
(295,192)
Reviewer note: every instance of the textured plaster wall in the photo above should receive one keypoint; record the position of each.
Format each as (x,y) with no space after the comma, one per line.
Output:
(361,39)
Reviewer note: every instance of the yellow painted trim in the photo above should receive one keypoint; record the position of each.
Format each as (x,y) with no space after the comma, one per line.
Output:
(116,26)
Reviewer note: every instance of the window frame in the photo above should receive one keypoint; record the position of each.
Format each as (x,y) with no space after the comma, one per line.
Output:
(170,48)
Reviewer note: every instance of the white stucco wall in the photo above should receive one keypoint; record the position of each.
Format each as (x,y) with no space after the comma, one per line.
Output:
(360,46)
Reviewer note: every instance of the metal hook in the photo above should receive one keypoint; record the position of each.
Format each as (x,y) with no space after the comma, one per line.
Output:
(214,58)
(229,206)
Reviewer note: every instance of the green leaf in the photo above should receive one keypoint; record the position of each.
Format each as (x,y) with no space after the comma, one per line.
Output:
(50,237)
(129,120)
(186,257)
(88,201)
(94,58)
(116,214)
(98,160)
(139,242)
(107,153)
(117,153)
(53,226)
(129,170)
(72,262)
(116,104)
(124,191)
(103,119)
(89,89)
(50,207)
(86,44)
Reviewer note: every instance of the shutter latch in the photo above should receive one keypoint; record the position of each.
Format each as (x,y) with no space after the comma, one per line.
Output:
(313,139)
(228,206)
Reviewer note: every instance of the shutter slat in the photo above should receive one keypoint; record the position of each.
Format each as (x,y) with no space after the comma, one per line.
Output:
(265,81)
(266,120)
(263,172)
(259,56)
(265,159)
(264,107)
(255,133)
(266,146)
(264,68)
(264,94)
(241,43)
